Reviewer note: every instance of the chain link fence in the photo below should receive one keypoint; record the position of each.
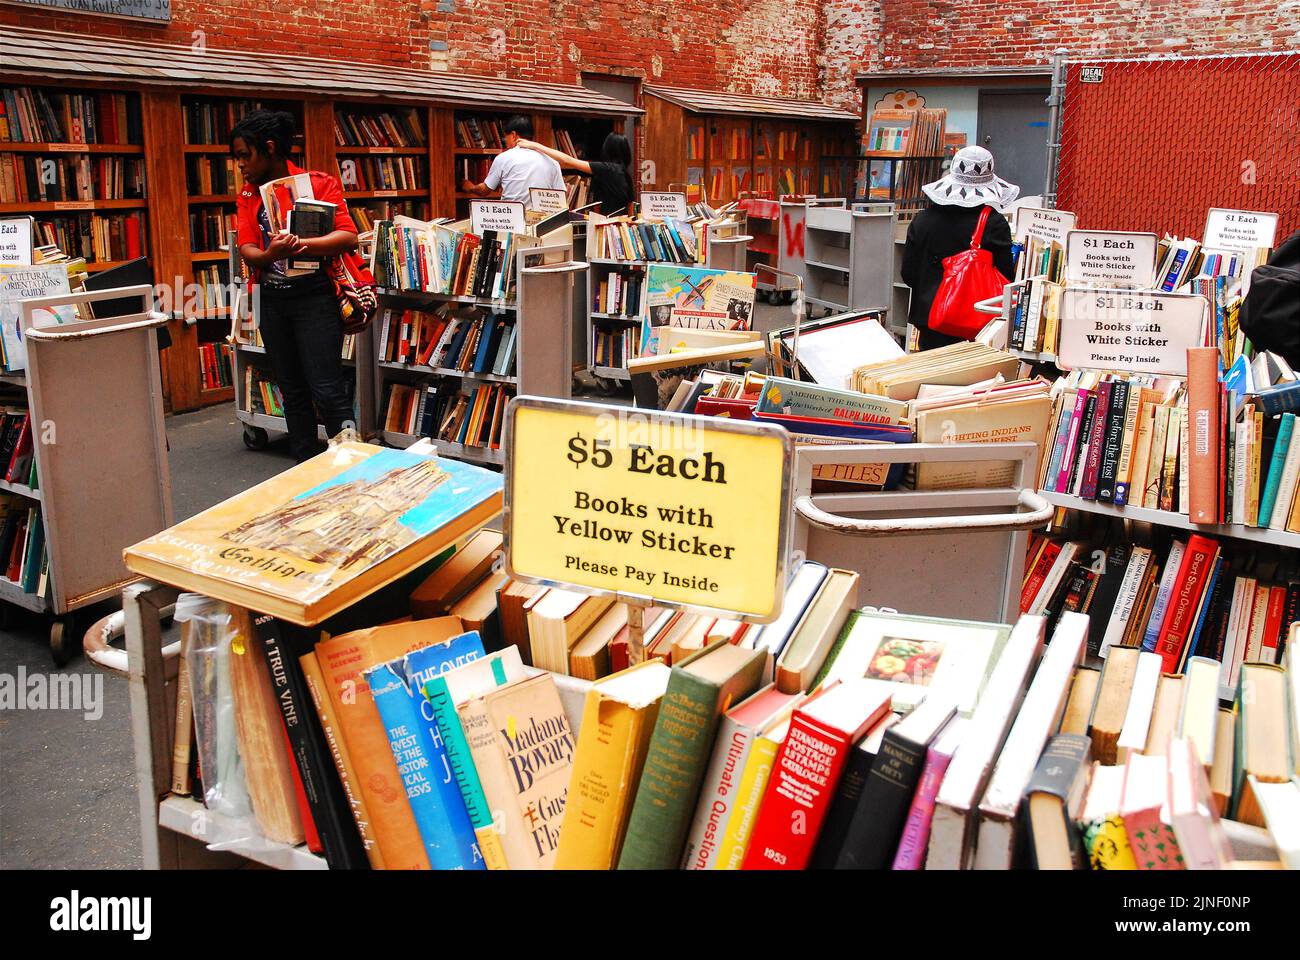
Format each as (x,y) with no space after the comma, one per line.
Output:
(1152,144)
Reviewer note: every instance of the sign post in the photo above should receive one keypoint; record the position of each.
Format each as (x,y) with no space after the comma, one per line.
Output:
(679,511)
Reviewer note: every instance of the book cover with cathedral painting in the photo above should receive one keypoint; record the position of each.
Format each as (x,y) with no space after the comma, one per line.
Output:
(312,540)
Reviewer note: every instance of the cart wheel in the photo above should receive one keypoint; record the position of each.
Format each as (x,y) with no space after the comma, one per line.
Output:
(63,640)
(255,438)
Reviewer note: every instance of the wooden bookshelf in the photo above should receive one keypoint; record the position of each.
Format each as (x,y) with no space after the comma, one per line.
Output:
(729,145)
(171,148)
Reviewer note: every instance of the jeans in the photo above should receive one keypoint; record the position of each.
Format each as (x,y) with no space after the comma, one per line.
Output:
(303,334)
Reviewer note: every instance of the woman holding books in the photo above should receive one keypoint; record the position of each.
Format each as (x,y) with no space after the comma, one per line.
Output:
(611,175)
(294,300)
(946,227)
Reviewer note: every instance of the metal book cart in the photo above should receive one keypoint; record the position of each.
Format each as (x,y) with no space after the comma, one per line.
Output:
(95,398)
(176,831)
(943,553)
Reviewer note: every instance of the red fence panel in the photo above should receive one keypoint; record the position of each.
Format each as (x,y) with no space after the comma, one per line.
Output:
(1151,145)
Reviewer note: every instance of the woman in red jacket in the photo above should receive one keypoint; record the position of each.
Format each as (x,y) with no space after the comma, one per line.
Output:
(298,316)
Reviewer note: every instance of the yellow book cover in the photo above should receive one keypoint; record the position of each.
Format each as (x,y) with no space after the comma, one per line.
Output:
(1253,481)
(1013,422)
(617,719)
(312,540)
(1108,846)
(749,796)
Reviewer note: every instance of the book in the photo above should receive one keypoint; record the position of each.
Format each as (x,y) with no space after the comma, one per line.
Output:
(773,637)
(1053,803)
(1165,714)
(822,733)
(1199,710)
(266,548)
(522,747)
(915,838)
(1279,806)
(589,658)
(1201,836)
(952,833)
(324,794)
(617,719)
(1141,700)
(749,794)
(512,601)
(872,838)
(921,656)
(1262,750)
(456,577)
(1188,587)
(315,682)
(419,751)
(1104,836)
(720,787)
(556,622)
(820,626)
(699,690)
(444,693)
(1039,715)
(1145,811)
(1203,414)
(1111,708)
(343,660)
(1083,694)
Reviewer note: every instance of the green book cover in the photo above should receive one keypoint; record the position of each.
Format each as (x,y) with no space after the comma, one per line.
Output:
(458,755)
(679,750)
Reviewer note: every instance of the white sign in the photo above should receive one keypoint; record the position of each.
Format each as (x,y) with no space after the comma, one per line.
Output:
(499,215)
(1128,330)
(16,240)
(1106,257)
(1043,224)
(545,200)
(664,205)
(1239,228)
(1091,74)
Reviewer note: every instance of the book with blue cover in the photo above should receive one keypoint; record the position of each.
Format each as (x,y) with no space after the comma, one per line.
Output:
(418,748)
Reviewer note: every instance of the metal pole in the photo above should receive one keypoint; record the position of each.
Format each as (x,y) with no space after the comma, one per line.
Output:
(1055,100)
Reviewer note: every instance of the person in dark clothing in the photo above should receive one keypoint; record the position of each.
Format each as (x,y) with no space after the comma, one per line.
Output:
(946,227)
(1270,313)
(298,315)
(611,175)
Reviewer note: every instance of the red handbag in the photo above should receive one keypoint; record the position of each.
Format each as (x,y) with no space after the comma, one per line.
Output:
(968,278)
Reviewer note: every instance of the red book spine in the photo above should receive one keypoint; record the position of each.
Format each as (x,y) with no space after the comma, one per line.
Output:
(1273,625)
(798,794)
(1035,581)
(133,236)
(300,797)
(1198,560)
(1096,441)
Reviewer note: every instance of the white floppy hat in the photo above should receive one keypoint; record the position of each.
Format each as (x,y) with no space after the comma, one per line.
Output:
(970,182)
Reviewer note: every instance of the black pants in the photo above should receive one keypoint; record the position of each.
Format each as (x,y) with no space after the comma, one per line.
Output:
(303,333)
(931,340)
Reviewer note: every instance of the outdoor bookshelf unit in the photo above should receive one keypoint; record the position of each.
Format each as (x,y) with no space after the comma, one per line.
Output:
(624,327)
(105,425)
(542,312)
(848,260)
(169,82)
(727,145)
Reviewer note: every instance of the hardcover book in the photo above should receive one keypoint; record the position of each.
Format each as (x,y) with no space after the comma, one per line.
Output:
(700,689)
(314,539)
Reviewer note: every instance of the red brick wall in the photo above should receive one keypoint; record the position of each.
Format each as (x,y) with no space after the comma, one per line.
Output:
(909,34)
(753,46)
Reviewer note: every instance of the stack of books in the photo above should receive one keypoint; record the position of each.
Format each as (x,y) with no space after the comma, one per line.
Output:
(473,415)
(32,115)
(216,365)
(465,340)
(668,240)
(444,257)
(30,178)
(479,133)
(385,173)
(1217,452)
(386,128)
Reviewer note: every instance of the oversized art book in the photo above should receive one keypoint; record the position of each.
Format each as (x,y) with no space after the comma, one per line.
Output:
(696,297)
(308,542)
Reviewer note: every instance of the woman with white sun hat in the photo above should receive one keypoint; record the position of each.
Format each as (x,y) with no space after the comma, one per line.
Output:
(947,226)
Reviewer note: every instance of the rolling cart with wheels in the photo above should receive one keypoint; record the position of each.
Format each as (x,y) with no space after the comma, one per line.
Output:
(95,400)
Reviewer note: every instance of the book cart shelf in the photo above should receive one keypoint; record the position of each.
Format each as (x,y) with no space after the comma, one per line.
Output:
(168,91)
(87,419)
(728,145)
(540,313)
(848,530)
(848,254)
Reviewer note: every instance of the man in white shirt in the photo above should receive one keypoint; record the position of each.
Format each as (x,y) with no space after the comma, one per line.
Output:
(517,170)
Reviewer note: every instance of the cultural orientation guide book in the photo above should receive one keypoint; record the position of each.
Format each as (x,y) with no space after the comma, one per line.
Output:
(312,540)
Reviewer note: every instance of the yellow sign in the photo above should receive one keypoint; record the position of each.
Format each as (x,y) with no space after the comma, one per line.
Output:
(687,511)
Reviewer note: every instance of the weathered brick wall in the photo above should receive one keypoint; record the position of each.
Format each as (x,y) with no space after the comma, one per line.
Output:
(753,46)
(909,34)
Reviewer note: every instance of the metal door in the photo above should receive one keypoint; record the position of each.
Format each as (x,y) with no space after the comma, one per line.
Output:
(1013,127)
